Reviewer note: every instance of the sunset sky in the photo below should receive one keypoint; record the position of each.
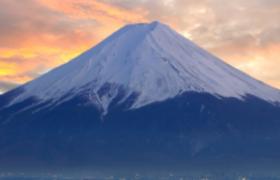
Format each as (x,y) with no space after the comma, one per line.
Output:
(37,35)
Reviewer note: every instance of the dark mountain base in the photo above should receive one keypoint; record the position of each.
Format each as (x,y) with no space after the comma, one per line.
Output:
(193,131)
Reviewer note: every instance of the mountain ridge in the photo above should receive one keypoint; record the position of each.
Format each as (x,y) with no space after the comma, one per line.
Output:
(149,59)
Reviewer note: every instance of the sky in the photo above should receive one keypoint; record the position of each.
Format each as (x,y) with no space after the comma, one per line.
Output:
(38,35)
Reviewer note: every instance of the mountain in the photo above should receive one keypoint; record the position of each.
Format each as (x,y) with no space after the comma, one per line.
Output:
(144,97)
(151,60)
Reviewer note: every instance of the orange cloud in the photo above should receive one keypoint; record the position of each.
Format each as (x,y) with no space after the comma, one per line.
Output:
(40,35)
(100,11)
(260,62)
(105,16)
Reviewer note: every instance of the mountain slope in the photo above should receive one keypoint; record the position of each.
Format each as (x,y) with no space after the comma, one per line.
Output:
(143,98)
(148,59)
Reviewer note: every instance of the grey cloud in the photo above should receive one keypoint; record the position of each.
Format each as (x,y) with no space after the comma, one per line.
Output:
(5,86)
(270,36)
(215,22)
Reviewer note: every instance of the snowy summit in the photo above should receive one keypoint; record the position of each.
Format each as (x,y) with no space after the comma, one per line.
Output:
(150,60)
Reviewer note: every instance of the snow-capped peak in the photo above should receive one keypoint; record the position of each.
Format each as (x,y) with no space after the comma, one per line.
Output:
(151,60)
